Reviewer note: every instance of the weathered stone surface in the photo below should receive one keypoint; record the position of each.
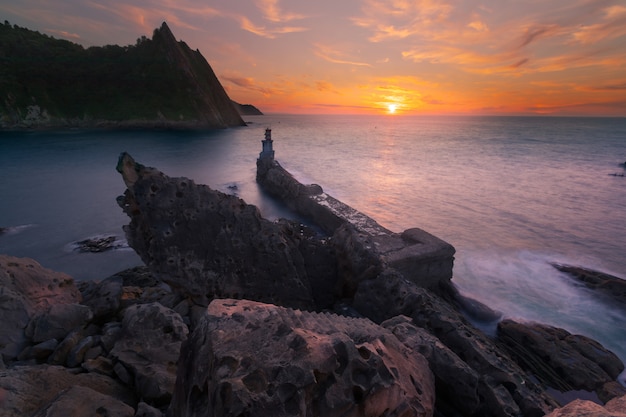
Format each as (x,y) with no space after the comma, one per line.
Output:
(583,408)
(248,358)
(29,388)
(456,382)
(27,289)
(208,243)
(504,388)
(563,360)
(57,321)
(149,348)
(80,401)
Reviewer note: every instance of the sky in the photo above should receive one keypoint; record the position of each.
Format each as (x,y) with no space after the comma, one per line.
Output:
(468,57)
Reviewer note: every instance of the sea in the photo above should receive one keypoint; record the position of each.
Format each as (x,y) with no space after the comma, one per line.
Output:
(511,194)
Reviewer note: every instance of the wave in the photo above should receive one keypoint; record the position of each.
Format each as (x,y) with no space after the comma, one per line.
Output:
(13,230)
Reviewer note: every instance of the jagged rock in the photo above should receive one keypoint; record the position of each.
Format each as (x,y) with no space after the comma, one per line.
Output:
(28,289)
(249,358)
(608,285)
(29,388)
(504,387)
(80,401)
(206,243)
(562,360)
(149,348)
(58,321)
(456,383)
(583,408)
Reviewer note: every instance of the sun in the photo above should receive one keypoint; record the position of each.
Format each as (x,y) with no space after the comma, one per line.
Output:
(391,108)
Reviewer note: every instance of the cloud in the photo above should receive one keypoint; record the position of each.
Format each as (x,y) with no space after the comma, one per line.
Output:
(330,54)
(64,34)
(247,83)
(273,13)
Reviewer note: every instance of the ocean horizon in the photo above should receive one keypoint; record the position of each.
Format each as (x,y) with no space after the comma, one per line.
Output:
(511,194)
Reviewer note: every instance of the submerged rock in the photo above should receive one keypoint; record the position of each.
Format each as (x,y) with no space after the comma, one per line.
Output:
(254,359)
(607,285)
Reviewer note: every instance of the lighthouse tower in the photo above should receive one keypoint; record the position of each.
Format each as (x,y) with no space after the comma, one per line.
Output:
(268,150)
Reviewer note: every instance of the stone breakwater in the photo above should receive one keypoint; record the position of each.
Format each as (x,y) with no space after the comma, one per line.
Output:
(235,315)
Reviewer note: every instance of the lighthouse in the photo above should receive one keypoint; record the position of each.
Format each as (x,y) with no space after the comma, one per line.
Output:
(268,150)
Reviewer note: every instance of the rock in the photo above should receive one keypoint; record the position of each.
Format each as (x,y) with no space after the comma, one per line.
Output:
(249,358)
(564,361)
(205,243)
(145,410)
(149,348)
(100,365)
(607,285)
(583,408)
(504,388)
(103,298)
(98,244)
(456,383)
(73,402)
(28,289)
(39,352)
(29,388)
(58,321)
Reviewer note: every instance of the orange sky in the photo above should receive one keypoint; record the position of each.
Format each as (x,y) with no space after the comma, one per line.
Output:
(558,57)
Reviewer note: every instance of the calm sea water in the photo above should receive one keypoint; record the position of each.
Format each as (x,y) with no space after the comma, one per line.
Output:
(511,194)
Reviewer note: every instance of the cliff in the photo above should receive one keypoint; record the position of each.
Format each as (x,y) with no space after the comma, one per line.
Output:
(159,82)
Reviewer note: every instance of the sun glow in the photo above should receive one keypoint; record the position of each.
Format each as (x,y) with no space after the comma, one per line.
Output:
(391,108)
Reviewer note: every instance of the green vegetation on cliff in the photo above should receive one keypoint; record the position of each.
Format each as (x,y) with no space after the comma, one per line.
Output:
(51,82)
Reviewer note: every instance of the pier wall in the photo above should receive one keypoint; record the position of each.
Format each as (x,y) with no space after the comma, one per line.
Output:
(421,257)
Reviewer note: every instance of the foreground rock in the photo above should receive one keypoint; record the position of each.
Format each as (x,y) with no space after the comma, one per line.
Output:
(28,292)
(562,360)
(248,358)
(581,408)
(489,377)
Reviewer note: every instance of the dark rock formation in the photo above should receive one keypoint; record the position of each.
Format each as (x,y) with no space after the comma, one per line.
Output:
(564,361)
(607,285)
(248,358)
(503,389)
(157,83)
(210,244)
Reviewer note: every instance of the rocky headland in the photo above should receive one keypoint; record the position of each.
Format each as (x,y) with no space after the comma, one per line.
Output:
(235,315)
(156,83)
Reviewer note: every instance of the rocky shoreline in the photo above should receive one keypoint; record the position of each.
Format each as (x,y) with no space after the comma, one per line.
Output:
(237,315)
